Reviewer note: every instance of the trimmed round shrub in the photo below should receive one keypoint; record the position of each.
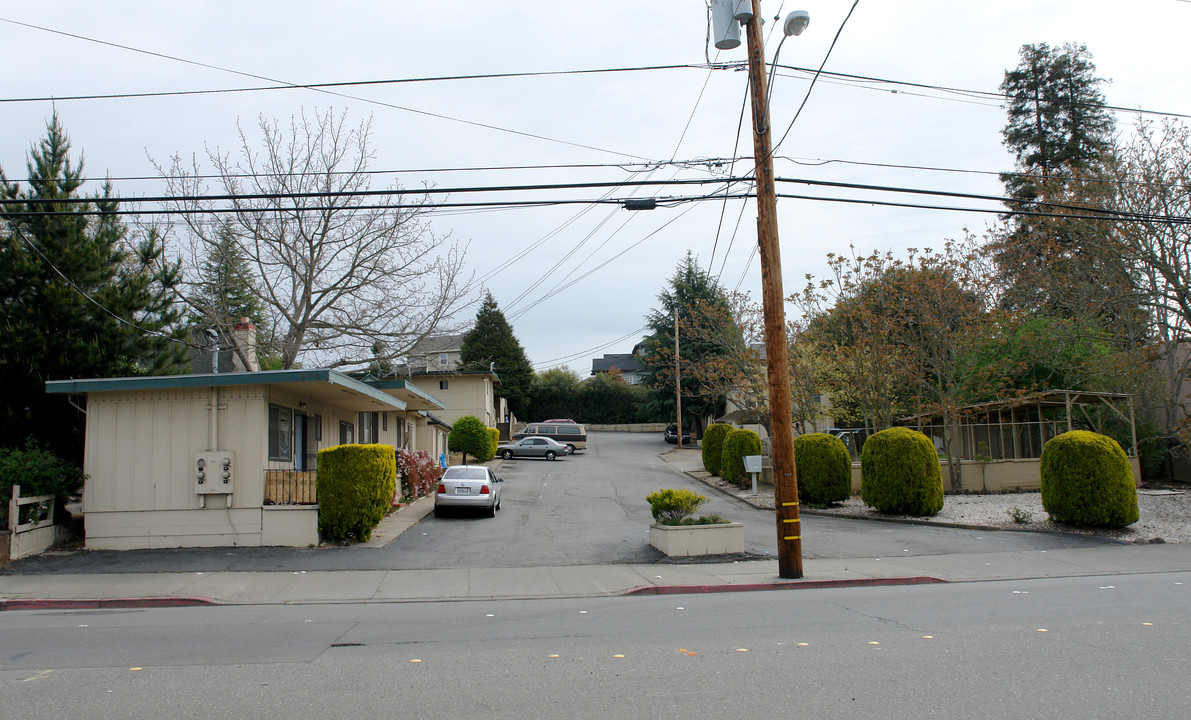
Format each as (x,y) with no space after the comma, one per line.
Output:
(355,485)
(900,473)
(1086,480)
(824,469)
(737,444)
(470,437)
(713,446)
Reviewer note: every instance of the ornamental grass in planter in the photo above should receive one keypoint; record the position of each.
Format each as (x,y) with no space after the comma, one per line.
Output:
(677,532)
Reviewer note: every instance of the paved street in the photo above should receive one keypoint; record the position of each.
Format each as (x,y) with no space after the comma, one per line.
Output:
(1056,648)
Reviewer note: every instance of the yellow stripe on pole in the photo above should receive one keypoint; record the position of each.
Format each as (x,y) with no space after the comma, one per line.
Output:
(790,504)
(793,537)
(790,520)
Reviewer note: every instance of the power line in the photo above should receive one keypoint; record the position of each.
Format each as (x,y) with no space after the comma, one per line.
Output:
(345,83)
(575,356)
(390,192)
(87,296)
(325,91)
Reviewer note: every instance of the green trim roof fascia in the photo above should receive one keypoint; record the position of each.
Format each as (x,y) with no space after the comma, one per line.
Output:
(178,382)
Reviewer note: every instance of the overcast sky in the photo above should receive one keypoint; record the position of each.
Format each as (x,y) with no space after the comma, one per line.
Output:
(611,263)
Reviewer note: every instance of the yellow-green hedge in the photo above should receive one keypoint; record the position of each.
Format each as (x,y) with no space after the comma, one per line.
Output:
(713,446)
(1086,480)
(824,469)
(355,485)
(737,444)
(900,473)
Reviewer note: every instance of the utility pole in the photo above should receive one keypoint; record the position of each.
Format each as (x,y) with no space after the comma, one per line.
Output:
(785,479)
(677,379)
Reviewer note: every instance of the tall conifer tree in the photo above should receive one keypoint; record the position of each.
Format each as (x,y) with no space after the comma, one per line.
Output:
(81,296)
(492,344)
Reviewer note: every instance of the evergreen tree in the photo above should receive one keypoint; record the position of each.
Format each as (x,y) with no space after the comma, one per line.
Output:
(691,292)
(223,293)
(1058,125)
(492,344)
(1061,135)
(81,297)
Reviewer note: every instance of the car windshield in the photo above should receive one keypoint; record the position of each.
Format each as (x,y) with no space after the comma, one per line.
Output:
(463,472)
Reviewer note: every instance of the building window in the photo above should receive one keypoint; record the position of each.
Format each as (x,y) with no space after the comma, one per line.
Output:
(369,426)
(442,384)
(281,433)
(384,422)
(347,432)
(442,359)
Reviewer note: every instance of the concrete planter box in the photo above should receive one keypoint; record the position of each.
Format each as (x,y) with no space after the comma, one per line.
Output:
(688,540)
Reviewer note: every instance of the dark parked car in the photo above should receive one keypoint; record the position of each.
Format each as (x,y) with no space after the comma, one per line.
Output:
(671,434)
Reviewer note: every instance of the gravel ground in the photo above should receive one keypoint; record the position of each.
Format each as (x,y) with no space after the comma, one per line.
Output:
(1165,514)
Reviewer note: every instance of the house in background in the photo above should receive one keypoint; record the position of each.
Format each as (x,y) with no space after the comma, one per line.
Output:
(459,392)
(435,354)
(628,364)
(435,364)
(229,459)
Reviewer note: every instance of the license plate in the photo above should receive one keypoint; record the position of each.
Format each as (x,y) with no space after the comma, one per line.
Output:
(463,491)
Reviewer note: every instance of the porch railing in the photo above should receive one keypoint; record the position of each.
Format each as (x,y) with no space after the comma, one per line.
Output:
(290,487)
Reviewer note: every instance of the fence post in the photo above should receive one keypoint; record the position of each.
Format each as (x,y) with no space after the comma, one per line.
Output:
(14,509)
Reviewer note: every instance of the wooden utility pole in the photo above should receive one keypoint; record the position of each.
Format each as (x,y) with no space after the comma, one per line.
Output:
(677,379)
(785,479)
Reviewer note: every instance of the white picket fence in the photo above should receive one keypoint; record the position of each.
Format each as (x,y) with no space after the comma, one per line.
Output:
(38,531)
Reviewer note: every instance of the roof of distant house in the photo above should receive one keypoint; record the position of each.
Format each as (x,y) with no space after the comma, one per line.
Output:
(624,362)
(438,344)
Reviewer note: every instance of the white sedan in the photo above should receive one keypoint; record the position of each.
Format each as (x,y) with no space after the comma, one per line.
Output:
(468,486)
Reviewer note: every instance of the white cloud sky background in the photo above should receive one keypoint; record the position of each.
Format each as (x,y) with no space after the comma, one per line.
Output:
(1140,47)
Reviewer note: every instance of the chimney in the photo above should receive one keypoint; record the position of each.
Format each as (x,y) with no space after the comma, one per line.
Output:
(244,337)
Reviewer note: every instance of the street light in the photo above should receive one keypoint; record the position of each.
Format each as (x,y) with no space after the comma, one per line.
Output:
(795,23)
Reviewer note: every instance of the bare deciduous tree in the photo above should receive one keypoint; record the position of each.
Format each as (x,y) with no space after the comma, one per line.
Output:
(345,275)
(1152,178)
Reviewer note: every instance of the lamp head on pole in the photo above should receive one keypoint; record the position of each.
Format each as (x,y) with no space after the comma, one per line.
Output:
(796,22)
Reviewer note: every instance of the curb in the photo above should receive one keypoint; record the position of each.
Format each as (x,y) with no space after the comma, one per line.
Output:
(65,604)
(782,585)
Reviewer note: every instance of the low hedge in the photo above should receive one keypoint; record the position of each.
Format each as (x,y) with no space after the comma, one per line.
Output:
(713,446)
(1086,480)
(900,473)
(737,444)
(824,469)
(355,485)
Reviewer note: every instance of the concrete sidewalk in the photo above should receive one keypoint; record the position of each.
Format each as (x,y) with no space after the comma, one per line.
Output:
(329,586)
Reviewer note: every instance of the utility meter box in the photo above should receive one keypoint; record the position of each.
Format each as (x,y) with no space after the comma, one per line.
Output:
(213,472)
(752,463)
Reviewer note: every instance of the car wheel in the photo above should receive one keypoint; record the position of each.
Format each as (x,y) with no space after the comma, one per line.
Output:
(491,512)
(550,455)
(498,503)
(438,512)
(507,454)
(570,449)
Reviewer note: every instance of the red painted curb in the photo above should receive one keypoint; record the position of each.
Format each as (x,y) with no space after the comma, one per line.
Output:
(65,604)
(782,585)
